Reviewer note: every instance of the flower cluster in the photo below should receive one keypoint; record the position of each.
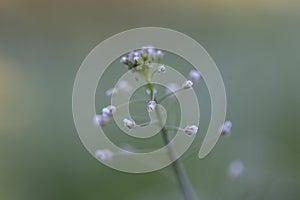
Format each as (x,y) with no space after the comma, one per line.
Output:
(142,57)
(141,61)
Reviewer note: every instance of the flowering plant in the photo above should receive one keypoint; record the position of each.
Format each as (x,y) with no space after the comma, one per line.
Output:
(143,63)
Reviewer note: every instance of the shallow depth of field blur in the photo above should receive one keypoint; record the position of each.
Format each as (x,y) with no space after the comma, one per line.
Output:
(255,44)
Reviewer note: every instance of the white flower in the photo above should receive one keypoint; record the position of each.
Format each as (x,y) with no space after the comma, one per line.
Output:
(159,53)
(161,69)
(135,59)
(109,110)
(124,60)
(226,128)
(104,154)
(101,120)
(191,129)
(129,123)
(236,168)
(151,106)
(194,75)
(187,84)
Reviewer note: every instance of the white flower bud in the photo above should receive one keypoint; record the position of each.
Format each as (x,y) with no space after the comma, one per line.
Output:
(129,123)
(159,54)
(161,69)
(194,75)
(109,110)
(236,168)
(104,154)
(191,129)
(135,59)
(151,106)
(105,111)
(226,128)
(187,84)
(101,120)
(124,60)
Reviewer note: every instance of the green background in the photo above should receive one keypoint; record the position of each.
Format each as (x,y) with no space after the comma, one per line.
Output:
(255,45)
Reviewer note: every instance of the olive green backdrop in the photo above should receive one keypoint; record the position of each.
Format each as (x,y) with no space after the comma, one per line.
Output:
(255,44)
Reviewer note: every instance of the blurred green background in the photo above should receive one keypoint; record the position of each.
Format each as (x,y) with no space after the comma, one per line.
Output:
(255,44)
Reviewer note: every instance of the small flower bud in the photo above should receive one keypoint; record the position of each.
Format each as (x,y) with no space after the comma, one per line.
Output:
(101,120)
(187,84)
(151,106)
(161,69)
(135,59)
(191,129)
(159,53)
(104,154)
(236,168)
(109,110)
(129,123)
(124,60)
(194,76)
(226,128)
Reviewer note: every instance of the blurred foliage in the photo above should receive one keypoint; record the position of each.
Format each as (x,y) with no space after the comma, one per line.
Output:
(255,45)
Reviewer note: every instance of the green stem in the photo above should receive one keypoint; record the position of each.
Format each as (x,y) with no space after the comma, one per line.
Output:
(167,95)
(181,176)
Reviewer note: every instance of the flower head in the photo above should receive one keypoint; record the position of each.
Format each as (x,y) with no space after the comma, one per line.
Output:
(101,120)
(109,110)
(191,129)
(161,69)
(142,57)
(129,123)
(226,128)
(187,84)
(151,106)
(124,60)
(104,154)
(194,76)
(236,168)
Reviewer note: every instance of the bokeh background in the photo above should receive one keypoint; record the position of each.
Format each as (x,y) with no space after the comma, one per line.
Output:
(255,44)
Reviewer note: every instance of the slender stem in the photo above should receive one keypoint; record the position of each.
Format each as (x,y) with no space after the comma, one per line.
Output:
(184,183)
(181,176)
(169,127)
(169,94)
